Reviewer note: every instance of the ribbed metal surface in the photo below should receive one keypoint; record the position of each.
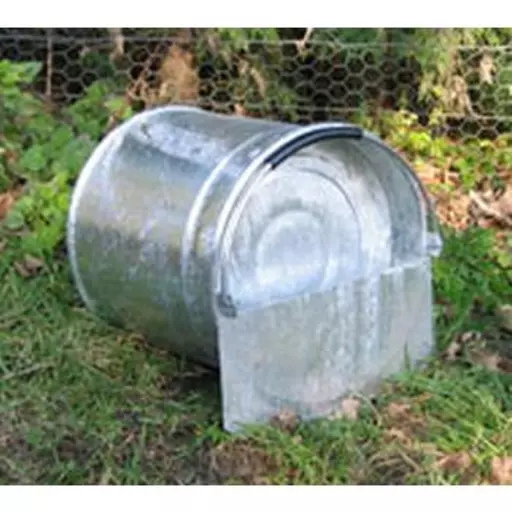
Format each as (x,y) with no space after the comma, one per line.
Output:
(200,230)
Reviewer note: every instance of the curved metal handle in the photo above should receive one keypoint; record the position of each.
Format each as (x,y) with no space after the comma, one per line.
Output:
(434,233)
(323,133)
(434,242)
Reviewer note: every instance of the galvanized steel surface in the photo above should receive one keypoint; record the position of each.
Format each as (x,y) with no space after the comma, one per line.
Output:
(200,230)
(306,354)
(144,216)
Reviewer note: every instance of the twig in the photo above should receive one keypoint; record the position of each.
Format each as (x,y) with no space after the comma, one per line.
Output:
(131,93)
(489,210)
(301,43)
(117,42)
(49,65)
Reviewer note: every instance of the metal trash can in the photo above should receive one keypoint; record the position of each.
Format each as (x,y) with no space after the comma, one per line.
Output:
(298,259)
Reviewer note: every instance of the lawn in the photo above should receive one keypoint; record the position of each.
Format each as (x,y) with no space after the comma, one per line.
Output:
(84,403)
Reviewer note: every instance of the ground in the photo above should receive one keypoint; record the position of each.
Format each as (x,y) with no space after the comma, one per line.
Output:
(84,403)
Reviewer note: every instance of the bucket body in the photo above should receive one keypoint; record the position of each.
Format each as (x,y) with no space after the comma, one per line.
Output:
(181,216)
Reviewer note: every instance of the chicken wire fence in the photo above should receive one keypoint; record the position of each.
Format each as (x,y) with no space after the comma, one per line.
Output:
(298,79)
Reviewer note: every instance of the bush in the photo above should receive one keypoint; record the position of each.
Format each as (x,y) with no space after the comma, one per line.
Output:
(43,151)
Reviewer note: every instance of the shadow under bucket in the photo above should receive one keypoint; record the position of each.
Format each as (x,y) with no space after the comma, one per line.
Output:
(298,259)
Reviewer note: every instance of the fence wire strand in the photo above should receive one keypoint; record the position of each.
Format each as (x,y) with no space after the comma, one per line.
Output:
(293,80)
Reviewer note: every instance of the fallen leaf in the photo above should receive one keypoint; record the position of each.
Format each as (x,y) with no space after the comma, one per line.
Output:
(428,173)
(242,460)
(504,204)
(501,470)
(286,420)
(350,407)
(32,264)
(20,268)
(459,461)
(504,314)
(28,266)
(454,349)
(490,361)
(397,410)
(3,244)
(404,423)
(396,434)
(6,201)
(500,210)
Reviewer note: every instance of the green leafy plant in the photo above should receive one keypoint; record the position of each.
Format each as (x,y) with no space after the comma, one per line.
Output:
(475,161)
(44,151)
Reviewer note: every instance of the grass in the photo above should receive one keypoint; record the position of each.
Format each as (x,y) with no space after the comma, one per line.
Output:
(82,403)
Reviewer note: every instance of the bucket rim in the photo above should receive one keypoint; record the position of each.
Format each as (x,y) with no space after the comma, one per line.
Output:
(267,161)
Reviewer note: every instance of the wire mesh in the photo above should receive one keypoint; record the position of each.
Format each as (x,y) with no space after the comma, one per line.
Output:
(299,79)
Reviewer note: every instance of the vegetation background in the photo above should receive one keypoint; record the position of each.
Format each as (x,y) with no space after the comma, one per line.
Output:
(84,403)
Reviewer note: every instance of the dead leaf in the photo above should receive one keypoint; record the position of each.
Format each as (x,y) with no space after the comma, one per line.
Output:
(32,264)
(242,460)
(454,349)
(403,423)
(396,434)
(486,69)
(501,470)
(453,208)
(504,204)
(3,244)
(504,314)
(397,410)
(29,266)
(428,173)
(350,408)
(490,360)
(179,81)
(458,461)
(6,201)
(499,210)
(286,420)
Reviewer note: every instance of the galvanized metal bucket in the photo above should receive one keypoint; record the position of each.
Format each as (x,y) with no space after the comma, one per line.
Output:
(295,258)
